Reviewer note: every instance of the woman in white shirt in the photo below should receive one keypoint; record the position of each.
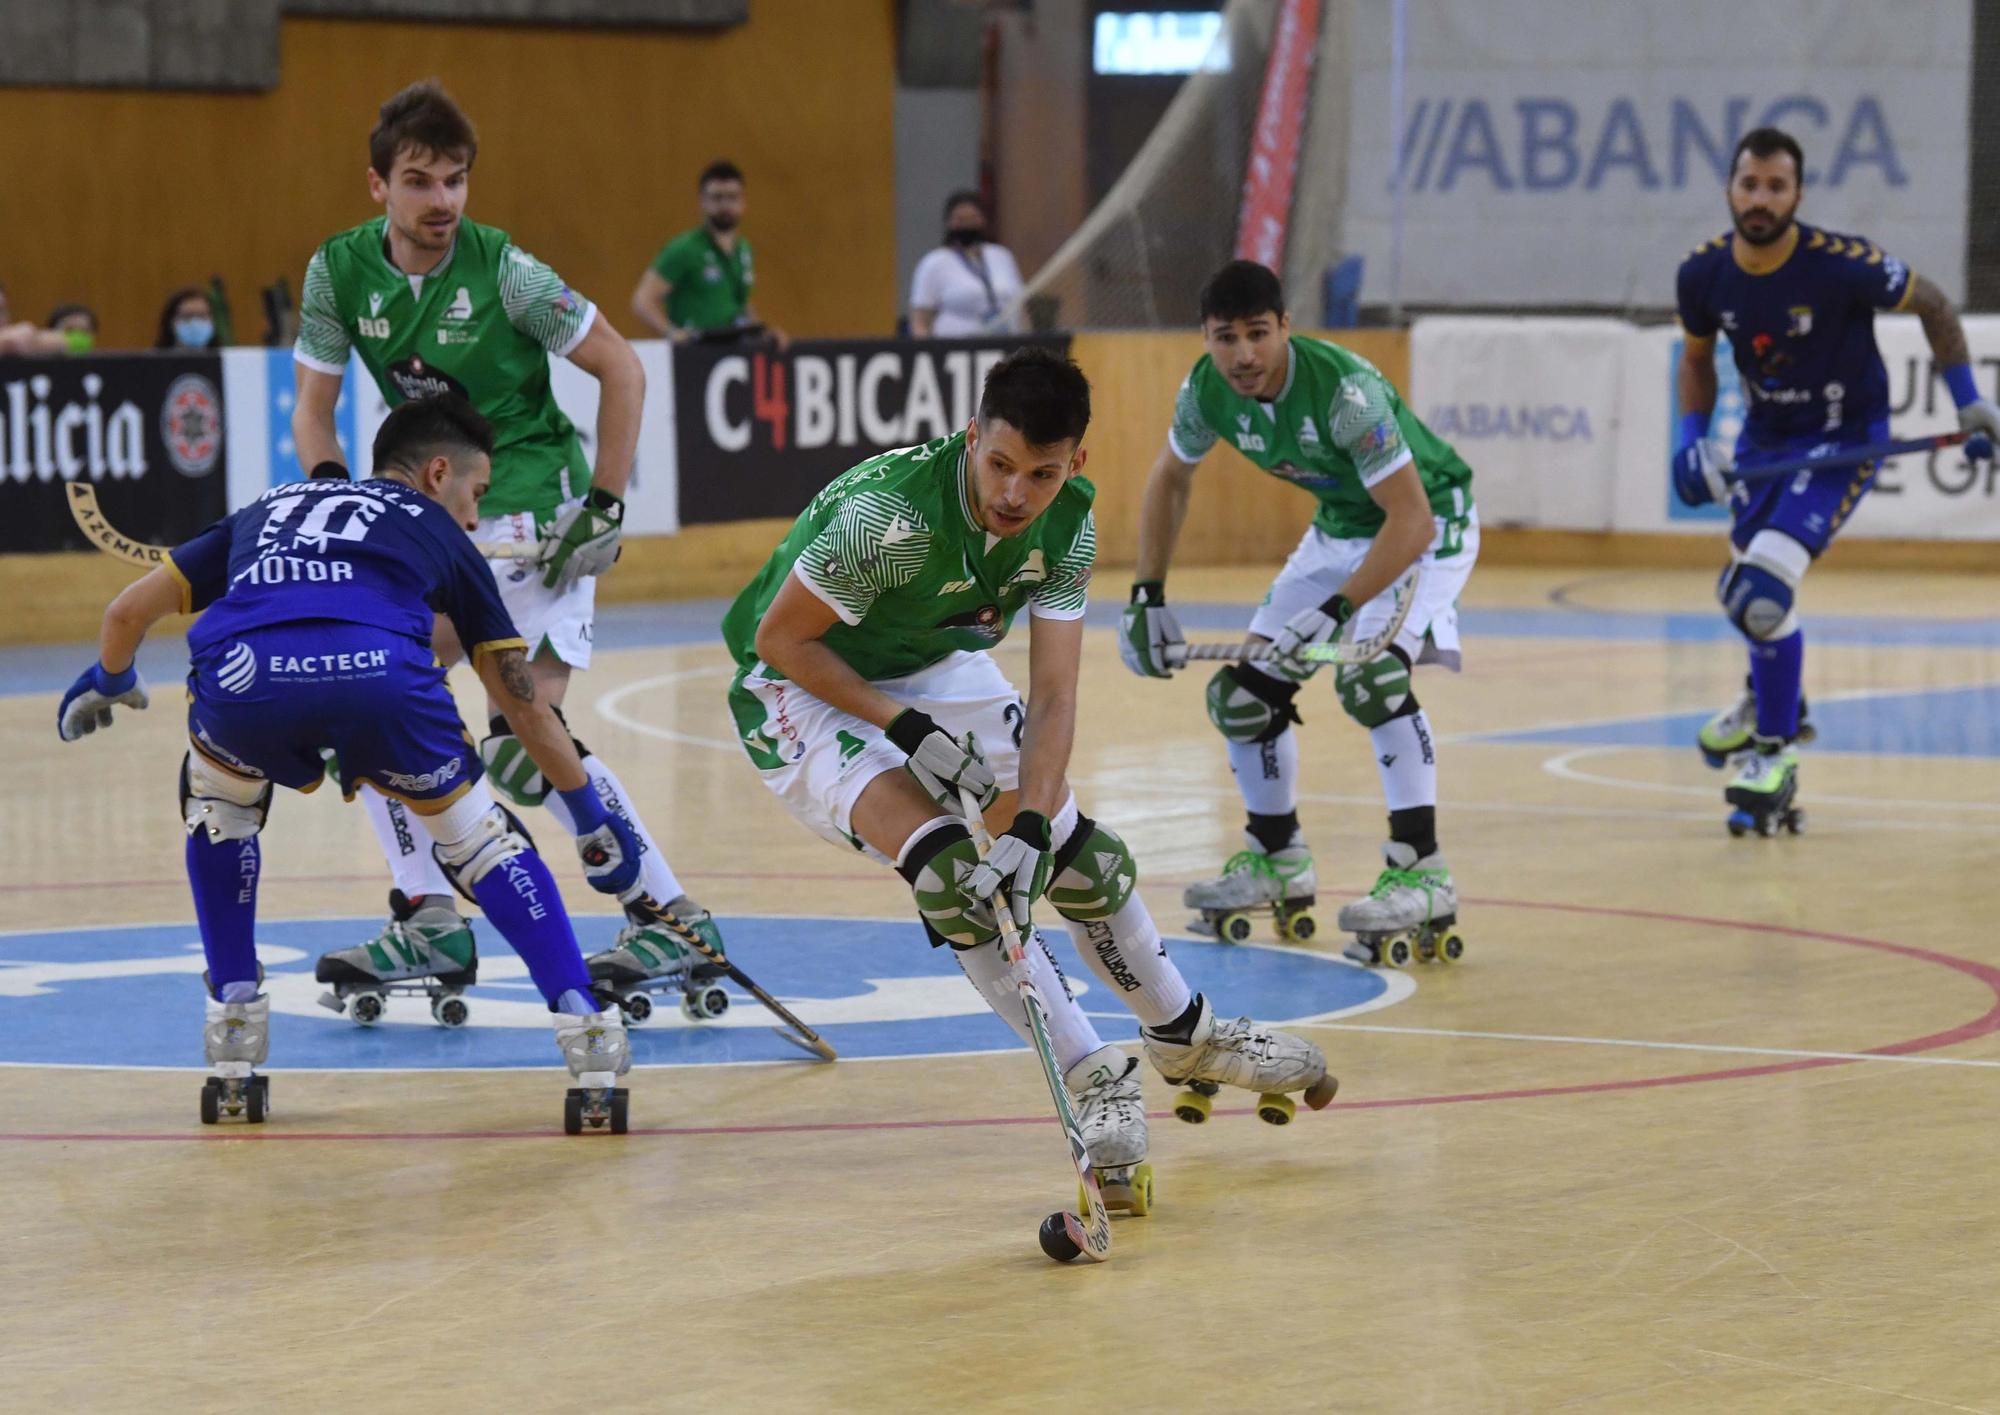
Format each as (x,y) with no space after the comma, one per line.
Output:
(963,288)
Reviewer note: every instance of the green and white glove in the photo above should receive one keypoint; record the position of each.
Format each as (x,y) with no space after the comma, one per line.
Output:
(1147,630)
(583,541)
(1309,628)
(1018,863)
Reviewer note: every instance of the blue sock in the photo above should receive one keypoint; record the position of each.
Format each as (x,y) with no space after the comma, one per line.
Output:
(1775,670)
(223,876)
(520,899)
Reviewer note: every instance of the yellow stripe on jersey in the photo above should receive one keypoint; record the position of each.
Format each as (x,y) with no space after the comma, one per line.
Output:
(187,590)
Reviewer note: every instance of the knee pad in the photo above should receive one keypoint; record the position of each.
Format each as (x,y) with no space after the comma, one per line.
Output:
(1760,586)
(937,863)
(221,803)
(474,836)
(509,767)
(1248,706)
(1092,875)
(1377,691)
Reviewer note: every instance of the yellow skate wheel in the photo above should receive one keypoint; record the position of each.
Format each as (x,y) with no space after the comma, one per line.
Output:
(1300,926)
(1233,928)
(1450,946)
(1276,1109)
(1192,1106)
(1321,1092)
(1396,952)
(1142,1191)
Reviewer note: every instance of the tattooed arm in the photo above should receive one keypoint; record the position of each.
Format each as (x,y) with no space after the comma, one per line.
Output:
(512,689)
(1941,327)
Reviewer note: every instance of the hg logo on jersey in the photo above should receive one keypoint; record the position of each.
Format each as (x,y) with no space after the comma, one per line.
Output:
(1247,440)
(429,781)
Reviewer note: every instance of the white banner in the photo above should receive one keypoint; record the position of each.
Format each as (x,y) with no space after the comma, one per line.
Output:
(1570,151)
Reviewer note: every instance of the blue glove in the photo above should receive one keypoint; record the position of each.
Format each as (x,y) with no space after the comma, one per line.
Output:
(604,842)
(88,703)
(1701,472)
(1976,415)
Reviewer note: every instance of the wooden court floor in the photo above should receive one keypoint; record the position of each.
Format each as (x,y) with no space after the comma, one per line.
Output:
(1700,1124)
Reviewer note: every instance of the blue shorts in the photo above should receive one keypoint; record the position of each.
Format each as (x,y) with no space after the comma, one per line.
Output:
(267,701)
(1812,506)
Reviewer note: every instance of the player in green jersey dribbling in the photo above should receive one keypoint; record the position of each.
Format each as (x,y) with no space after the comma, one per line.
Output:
(1392,494)
(434,303)
(866,696)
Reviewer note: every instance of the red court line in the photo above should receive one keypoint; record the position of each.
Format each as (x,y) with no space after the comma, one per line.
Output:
(1984,1025)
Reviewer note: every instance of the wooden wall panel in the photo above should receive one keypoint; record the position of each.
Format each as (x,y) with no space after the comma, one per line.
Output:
(589,145)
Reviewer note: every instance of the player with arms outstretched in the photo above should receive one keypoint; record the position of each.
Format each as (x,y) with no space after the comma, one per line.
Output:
(866,697)
(319,600)
(1392,494)
(433,302)
(1798,304)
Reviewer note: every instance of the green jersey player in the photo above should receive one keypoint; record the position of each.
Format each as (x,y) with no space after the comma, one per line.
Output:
(1391,494)
(865,696)
(432,302)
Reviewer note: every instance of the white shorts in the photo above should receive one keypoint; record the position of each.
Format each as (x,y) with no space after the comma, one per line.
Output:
(1320,564)
(547,619)
(818,759)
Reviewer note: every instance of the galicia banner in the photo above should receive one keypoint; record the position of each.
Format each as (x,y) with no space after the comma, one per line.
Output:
(760,432)
(147,430)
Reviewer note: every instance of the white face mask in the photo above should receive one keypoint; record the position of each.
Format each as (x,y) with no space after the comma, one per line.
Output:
(194,333)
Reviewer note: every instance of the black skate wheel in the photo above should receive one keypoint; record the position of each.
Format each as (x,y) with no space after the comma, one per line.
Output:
(211,1102)
(618,1111)
(1795,821)
(573,1113)
(637,1007)
(254,1101)
(1055,1239)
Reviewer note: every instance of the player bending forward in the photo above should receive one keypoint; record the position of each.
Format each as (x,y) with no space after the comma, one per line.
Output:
(436,303)
(1798,304)
(319,600)
(1391,494)
(865,697)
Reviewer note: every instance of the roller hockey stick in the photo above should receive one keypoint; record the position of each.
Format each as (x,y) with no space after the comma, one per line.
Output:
(1847,457)
(1341,650)
(800,1035)
(89,518)
(1091,1234)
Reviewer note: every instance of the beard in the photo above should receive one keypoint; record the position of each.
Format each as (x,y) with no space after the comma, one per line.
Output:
(724,221)
(1774,230)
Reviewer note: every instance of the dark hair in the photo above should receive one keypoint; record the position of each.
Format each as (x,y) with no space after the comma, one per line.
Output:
(165,338)
(720,170)
(1039,393)
(1242,289)
(62,312)
(964,196)
(1769,142)
(416,431)
(422,117)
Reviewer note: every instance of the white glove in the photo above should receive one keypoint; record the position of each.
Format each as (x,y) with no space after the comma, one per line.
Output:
(1018,861)
(1982,419)
(940,762)
(1310,627)
(583,541)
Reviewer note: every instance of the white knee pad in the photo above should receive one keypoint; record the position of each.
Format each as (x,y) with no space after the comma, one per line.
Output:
(474,836)
(1780,555)
(221,803)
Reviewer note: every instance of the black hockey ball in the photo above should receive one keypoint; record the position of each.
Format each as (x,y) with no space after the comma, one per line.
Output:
(1055,1238)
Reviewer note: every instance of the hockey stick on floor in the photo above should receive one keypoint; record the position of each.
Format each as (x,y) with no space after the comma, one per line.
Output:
(1341,650)
(1847,457)
(1090,1234)
(654,912)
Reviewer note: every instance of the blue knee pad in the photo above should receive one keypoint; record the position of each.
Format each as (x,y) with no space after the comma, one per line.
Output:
(1758,601)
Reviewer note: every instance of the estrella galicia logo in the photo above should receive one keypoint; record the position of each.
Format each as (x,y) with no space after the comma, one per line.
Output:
(238,669)
(416,379)
(191,425)
(869,986)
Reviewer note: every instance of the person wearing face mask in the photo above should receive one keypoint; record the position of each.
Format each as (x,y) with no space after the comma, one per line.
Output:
(967,286)
(699,284)
(77,325)
(187,321)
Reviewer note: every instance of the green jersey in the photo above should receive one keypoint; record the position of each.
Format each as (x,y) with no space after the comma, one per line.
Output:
(481,325)
(1336,428)
(893,549)
(710,286)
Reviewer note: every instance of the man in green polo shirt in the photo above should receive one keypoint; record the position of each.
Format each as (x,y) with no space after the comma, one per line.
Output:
(701,280)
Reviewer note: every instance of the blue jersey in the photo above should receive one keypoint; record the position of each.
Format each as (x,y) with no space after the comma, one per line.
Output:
(375,553)
(1803,333)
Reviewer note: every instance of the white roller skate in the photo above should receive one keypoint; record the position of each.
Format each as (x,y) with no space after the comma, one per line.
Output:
(1763,794)
(425,950)
(1410,915)
(236,1037)
(1255,881)
(598,1052)
(1111,1114)
(646,959)
(1242,1053)
(1726,735)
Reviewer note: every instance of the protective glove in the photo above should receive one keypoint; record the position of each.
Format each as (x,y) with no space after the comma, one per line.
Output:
(940,762)
(1701,472)
(1019,862)
(1982,419)
(1147,629)
(583,541)
(1319,624)
(88,703)
(604,842)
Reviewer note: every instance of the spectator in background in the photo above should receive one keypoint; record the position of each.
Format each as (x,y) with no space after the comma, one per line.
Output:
(24,338)
(187,321)
(700,282)
(965,287)
(77,324)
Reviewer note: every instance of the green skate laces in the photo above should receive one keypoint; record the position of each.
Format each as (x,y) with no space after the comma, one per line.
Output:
(1393,878)
(1256,862)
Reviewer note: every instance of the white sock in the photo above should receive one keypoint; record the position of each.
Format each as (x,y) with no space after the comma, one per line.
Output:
(406,845)
(1267,773)
(1126,954)
(1407,761)
(653,868)
(1071,1035)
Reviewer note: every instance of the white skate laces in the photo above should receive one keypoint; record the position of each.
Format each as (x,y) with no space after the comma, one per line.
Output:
(1110,1107)
(1237,1053)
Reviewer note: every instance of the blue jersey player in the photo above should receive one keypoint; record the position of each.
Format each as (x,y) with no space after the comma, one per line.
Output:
(1798,304)
(318,601)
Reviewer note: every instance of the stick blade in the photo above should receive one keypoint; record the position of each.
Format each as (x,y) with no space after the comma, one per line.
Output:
(818,1046)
